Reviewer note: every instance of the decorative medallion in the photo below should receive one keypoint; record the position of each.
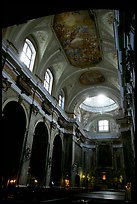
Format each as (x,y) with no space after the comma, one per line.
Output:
(77,34)
(91,77)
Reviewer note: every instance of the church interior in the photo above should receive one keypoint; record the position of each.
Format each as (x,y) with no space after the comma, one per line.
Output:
(68,102)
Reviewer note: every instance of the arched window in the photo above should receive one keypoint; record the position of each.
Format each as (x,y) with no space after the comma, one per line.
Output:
(61,99)
(28,54)
(103,126)
(48,80)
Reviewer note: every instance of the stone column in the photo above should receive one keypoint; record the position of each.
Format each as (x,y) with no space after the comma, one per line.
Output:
(73,168)
(49,164)
(112,155)
(96,160)
(50,152)
(26,151)
(25,161)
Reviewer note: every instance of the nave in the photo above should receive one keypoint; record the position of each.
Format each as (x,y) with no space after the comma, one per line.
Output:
(64,195)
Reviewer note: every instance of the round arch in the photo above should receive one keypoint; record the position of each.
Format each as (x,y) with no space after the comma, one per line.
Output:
(100,117)
(21,104)
(38,160)
(90,92)
(56,168)
(13,131)
(46,124)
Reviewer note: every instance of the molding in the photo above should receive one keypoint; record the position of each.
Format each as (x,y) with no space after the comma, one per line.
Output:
(5,84)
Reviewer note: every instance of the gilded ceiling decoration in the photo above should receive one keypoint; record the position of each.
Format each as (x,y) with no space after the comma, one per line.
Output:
(77,34)
(91,77)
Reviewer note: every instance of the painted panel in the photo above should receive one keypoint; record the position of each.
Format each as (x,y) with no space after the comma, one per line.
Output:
(77,34)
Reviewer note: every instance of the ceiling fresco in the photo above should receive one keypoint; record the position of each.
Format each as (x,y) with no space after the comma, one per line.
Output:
(91,77)
(77,34)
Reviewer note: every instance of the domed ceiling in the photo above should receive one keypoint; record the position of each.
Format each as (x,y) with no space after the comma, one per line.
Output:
(99,104)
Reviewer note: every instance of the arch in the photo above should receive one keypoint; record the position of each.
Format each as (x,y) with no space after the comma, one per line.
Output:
(56,168)
(46,124)
(26,29)
(61,99)
(68,77)
(13,130)
(28,54)
(51,57)
(48,80)
(33,40)
(90,92)
(96,118)
(21,104)
(38,158)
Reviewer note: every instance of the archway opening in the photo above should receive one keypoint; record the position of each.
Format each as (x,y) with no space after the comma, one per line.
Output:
(13,130)
(56,162)
(39,154)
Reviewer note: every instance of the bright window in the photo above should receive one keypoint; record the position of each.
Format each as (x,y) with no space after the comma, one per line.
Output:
(61,99)
(103,126)
(99,104)
(48,81)
(28,54)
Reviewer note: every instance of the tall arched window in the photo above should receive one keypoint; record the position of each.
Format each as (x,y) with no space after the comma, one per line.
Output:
(61,99)
(48,80)
(28,54)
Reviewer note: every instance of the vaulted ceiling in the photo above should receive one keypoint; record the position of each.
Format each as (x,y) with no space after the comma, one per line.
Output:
(80,48)
(87,42)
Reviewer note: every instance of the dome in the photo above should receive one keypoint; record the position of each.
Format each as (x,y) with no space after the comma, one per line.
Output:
(100,103)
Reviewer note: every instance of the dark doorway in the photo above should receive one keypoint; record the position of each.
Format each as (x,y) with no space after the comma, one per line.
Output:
(39,152)
(13,130)
(56,172)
